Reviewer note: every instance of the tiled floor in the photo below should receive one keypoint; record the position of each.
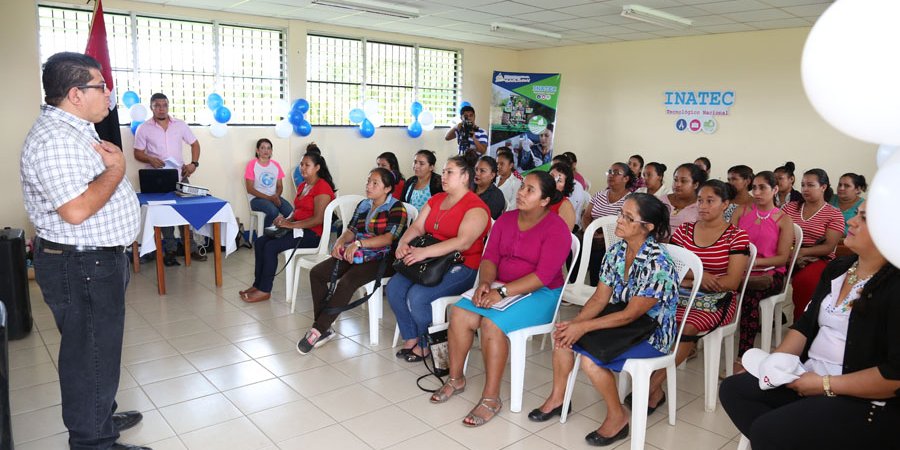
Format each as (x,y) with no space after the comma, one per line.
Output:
(210,372)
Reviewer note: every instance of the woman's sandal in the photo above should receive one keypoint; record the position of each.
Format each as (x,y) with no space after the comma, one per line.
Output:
(448,390)
(472,420)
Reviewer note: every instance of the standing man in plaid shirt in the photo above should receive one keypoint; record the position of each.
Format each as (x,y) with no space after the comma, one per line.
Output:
(84,212)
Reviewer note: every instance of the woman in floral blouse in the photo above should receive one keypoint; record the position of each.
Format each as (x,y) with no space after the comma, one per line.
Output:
(638,272)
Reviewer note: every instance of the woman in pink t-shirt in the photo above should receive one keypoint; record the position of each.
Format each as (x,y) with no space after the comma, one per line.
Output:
(263,180)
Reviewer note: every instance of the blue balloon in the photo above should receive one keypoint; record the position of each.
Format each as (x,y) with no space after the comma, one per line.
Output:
(130,98)
(222,114)
(357,115)
(303,128)
(415,109)
(214,101)
(134,126)
(414,129)
(366,129)
(300,105)
(295,117)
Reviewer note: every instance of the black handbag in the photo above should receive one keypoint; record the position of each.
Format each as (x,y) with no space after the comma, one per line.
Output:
(607,344)
(429,271)
(275,232)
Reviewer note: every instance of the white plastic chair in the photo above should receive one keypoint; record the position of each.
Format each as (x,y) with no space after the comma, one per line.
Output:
(256,223)
(519,338)
(375,303)
(640,369)
(744,444)
(767,306)
(578,292)
(712,346)
(292,270)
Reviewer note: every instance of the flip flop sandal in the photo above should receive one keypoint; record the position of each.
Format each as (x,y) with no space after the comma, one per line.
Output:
(443,394)
(472,420)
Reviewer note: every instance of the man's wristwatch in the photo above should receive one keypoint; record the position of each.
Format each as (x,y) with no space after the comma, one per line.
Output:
(503,291)
(196,164)
(826,386)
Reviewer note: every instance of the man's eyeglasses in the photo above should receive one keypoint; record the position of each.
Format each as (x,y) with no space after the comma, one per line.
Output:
(629,219)
(101,86)
(614,172)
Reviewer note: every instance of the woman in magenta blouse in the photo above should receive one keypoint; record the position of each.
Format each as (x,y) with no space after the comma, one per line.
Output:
(524,255)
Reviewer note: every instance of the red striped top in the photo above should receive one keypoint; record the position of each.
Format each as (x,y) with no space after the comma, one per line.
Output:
(714,257)
(814,229)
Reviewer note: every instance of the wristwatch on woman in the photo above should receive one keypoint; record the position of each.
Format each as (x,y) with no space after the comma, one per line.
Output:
(503,291)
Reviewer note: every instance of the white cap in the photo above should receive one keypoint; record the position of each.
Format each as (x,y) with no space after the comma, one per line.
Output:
(772,370)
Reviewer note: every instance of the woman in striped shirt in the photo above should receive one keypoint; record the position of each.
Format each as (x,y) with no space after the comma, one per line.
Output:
(619,183)
(823,228)
(724,250)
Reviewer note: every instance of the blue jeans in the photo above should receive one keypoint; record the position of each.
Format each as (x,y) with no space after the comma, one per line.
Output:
(412,302)
(271,211)
(86,293)
(267,251)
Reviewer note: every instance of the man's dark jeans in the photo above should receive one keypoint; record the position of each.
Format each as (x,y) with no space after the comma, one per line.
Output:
(86,293)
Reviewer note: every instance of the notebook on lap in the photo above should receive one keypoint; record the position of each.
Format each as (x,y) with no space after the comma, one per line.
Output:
(157,181)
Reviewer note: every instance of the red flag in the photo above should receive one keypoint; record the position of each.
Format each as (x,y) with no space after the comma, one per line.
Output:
(98,49)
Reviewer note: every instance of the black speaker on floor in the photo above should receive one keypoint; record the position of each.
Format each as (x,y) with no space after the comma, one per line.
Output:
(6,441)
(14,283)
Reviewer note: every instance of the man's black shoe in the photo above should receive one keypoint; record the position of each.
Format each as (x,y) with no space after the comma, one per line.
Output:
(169,260)
(127,419)
(120,446)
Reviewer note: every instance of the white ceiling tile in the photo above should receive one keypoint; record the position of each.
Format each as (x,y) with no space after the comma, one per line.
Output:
(728,28)
(794,22)
(703,21)
(679,33)
(576,24)
(783,3)
(591,9)
(468,15)
(610,30)
(685,11)
(636,36)
(643,26)
(732,6)
(757,16)
(807,10)
(615,19)
(599,39)
(554,3)
(506,8)
(462,3)
(544,16)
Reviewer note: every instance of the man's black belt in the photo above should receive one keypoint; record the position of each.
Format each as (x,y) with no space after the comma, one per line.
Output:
(80,248)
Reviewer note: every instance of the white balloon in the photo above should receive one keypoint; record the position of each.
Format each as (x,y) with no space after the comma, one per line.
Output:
(138,112)
(371,108)
(205,117)
(281,107)
(850,69)
(426,118)
(882,214)
(124,115)
(884,153)
(376,119)
(218,129)
(283,129)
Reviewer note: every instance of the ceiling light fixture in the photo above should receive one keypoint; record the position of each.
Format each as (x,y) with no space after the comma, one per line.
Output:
(655,16)
(508,26)
(372,6)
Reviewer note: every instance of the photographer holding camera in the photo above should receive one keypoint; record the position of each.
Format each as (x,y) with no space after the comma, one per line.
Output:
(472,139)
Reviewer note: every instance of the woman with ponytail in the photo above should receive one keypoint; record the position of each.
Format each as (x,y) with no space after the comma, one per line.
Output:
(509,268)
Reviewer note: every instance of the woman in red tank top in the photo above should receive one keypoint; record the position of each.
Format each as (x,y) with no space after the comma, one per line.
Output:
(460,220)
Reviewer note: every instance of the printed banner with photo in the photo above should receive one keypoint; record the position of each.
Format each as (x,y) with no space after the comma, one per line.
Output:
(523,116)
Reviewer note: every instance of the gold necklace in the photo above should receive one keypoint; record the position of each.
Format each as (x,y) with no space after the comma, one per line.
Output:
(852,277)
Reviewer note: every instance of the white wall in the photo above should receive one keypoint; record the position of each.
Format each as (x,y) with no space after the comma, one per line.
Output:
(611,104)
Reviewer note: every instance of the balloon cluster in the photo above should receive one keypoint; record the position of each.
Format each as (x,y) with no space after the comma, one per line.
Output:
(221,114)
(136,112)
(368,117)
(850,78)
(295,119)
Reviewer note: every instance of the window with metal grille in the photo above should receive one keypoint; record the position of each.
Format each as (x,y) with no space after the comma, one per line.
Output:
(342,73)
(186,60)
